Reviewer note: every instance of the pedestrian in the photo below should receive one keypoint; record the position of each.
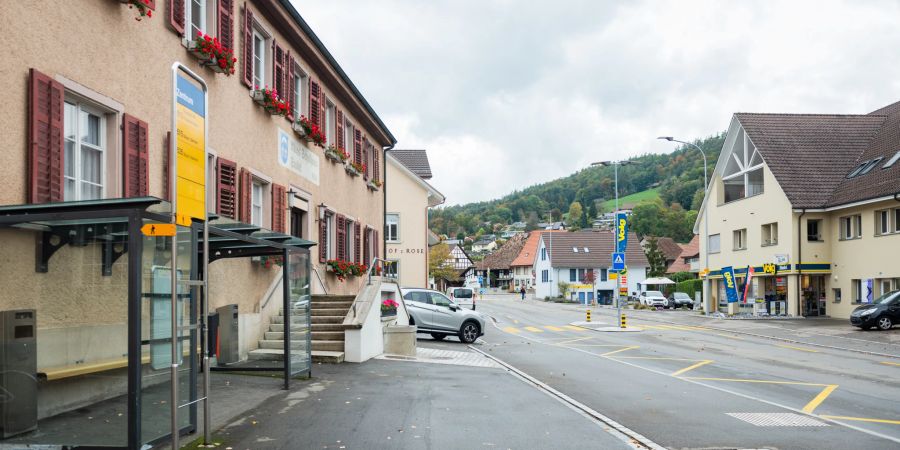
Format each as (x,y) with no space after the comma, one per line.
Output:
(522,291)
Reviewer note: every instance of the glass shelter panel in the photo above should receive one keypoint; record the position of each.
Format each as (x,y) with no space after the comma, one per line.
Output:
(298,276)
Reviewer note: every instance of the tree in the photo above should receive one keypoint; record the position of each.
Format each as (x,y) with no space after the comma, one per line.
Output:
(575,213)
(555,214)
(563,289)
(440,264)
(656,258)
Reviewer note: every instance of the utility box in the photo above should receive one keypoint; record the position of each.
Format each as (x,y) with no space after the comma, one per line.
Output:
(229,351)
(18,372)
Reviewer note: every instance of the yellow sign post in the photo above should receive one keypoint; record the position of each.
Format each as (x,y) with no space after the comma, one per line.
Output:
(190,156)
(158,229)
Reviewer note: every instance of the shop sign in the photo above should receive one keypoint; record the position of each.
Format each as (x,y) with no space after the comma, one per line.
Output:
(770,269)
(406,251)
(781,258)
(297,157)
(582,286)
(730,284)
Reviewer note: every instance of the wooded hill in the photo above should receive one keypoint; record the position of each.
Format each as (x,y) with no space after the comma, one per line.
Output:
(580,197)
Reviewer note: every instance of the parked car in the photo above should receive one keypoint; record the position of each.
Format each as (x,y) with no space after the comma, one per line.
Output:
(679,299)
(463,296)
(883,313)
(434,313)
(653,298)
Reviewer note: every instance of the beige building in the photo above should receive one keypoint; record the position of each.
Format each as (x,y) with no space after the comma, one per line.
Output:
(810,203)
(406,221)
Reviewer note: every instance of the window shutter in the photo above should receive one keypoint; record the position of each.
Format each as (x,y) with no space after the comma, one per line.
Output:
(376,171)
(367,241)
(323,239)
(341,238)
(246,181)
(366,158)
(375,248)
(357,229)
(136,144)
(278,69)
(226,188)
(322,105)
(357,146)
(45,135)
(176,16)
(248,47)
(313,101)
(225,21)
(289,80)
(339,116)
(279,194)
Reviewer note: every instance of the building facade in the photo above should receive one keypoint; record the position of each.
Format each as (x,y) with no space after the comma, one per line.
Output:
(409,196)
(809,202)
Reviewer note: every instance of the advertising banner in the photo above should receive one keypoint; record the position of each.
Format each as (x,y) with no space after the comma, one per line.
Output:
(747,282)
(621,232)
(730,284)
(190,151)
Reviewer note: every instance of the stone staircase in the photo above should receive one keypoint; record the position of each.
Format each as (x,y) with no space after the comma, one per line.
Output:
(327,317)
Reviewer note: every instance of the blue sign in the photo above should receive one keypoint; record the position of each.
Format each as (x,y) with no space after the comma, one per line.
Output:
(621,232)
(730,284)
(618,261)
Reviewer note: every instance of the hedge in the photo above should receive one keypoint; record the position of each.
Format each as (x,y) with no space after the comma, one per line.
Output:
(690,287)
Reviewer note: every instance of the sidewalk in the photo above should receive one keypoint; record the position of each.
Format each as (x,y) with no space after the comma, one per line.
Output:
(393,404)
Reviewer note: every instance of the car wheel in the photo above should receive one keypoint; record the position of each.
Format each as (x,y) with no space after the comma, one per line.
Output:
(438,336)
(884,323)
(469,332)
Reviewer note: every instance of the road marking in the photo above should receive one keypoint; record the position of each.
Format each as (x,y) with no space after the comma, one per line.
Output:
(744,380)
(862,419)
(812,405)
(660,358)
(797,348)
(621,350)
(573,328)
(729,336)
(573,340)
(534,329)
(690,368)
(512,330)
(888,363)
(552,328)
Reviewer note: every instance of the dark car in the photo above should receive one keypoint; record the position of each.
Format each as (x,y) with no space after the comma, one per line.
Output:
(679,299)
(883,313)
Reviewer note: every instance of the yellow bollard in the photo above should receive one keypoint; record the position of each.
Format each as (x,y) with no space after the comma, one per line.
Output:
(622,323)
(588,315)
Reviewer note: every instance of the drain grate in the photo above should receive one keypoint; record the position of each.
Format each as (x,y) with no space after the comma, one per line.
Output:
(778,420)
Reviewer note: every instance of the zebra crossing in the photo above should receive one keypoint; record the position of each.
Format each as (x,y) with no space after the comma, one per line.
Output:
(535,329)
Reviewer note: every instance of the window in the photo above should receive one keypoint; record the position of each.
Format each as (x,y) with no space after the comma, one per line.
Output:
(743,174)
(883,222)
(858,220)
(418,297)
(857,170)
(573,275)
(604,274)
(770,234)
(256,203)
(195,18)
(851,227)
(301,96)
(837,295)
(897,220)
(259,60)
(740,239)
(328,231)
(869,166)
(392,230)
(85,152)
(892,161)
(714,243)
(330,124)
(544,254)
(545,276)
(814,230)
(348,136)
(856,288)
(349,238)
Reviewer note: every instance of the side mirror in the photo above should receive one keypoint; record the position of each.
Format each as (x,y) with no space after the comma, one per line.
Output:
(453,307)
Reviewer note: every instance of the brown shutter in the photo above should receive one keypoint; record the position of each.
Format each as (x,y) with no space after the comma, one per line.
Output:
(377,242)
(279,194)
(357,146)
(135,168)
(246,181)
(176,16)
(341,234)
(357,229)
(323,239)
(367,241)
(289,60)
(339,118)
(322,105)
(225,21)
(248,47)
(313,101)
(376,160)
(278,69)
(226,188)
(366,158)
(46,163)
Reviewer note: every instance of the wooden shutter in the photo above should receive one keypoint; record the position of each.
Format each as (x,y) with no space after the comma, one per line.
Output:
(322,105)
(291,94)
(357,146)
(366,158)
(339,118)
(135,163)
(176,16)
(247,77)
(376,162)
(244,205)
(313,101)
(357,229)
(279,198)
(375,248)
(278,69)
(46,162)
(226,188)
(367,242)
(323,239)
(341,234)
(225,21)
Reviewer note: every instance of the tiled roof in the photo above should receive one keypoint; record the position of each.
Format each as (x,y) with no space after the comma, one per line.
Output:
(414,160)
(503,256)
(668,247)
(689,250)
(527,254)
(600,245)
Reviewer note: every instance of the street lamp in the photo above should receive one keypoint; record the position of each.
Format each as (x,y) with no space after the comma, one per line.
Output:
(707,305)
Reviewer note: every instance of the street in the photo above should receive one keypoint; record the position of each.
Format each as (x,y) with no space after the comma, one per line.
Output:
(690,386)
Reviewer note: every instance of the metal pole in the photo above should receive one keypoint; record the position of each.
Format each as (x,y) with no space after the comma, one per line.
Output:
(173,240)
(207,436)
(615,230)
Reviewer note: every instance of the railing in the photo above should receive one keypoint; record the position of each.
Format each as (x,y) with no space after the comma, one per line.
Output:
(319,277)
(368,277)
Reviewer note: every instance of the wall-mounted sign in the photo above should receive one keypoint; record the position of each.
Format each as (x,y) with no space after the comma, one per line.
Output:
(405,251)
(770,269)
(781,258)
(190,150)
(297,157)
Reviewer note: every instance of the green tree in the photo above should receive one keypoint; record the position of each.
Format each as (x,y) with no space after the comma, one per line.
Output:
(439,263)
(656,258)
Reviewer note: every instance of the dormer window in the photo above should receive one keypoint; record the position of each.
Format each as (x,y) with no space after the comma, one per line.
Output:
(574,249)
(892,161)
(586,250)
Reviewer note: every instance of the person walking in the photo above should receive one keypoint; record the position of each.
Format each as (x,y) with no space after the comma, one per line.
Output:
(522,291)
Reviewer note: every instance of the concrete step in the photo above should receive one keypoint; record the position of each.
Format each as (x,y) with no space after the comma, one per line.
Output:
(330,346)
(329,312)
(334,304)
(266,354)
(279,327)
(279,344)
(328,335)
(327,357)
(316,320)
(279,335)
(328,327)
(333,298)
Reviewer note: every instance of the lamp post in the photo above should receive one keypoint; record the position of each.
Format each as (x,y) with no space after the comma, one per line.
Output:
(616,165)
(707,305)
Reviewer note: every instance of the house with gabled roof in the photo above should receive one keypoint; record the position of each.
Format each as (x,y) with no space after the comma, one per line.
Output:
(810,203)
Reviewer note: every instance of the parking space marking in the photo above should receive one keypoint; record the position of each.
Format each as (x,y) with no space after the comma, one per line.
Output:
(862,419)
(808,408)
(534,329)
(552,328)
(574,340)
(888,363)
(797,348)
(574,328)
(512,330)
(811,406)
(729,336)
(690,368)
(631,347)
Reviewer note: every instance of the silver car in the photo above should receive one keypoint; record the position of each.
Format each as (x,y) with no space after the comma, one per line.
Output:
(434,313)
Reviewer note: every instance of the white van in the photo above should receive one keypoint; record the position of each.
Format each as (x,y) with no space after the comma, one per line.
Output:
(463,296)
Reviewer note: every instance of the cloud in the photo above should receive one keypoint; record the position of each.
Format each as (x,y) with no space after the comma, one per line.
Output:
(505,94)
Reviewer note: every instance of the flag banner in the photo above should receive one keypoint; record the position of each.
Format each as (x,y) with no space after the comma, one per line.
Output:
(730,284)
(621,232)
(747,282)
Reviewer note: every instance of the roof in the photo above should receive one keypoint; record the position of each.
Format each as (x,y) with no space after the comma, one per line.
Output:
(529,250)
(503,257)
(434,196)
(600,245)
(689,250)
(668,247)
(414,160)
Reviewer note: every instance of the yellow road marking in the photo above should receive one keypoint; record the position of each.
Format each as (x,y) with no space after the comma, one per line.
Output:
(512,330)
(812,405)
(653,327)
(888,363)
(573,328)
(729,336)
(797,348)
(690,368)
(743,380)
(534,329)
(660,358)
(621,350)
(862,419)
(573,340)
(552,328)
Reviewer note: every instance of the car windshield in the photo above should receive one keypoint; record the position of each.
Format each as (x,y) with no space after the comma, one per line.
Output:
(887,298)
(654,294)
(462,293)
(682,295)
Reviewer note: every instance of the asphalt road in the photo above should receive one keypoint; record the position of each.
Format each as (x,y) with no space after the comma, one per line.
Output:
(693,386)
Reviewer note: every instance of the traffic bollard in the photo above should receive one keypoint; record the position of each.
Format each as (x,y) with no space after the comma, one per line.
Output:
(622,323)
(588,315)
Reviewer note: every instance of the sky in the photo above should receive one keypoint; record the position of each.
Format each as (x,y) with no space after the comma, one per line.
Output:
(505,94)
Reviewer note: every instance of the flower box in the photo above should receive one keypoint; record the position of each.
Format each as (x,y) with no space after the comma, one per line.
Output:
(389,307)
(373,185)
(309,131)
(300,131)
(391,312)
(333,156)
(270,102)
(142,7)
(211,53)
(352,170)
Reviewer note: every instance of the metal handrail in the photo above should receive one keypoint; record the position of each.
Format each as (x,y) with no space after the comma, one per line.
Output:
(372,266)
(319,277)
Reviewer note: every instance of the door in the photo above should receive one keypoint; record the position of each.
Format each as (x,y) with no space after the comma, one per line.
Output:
(581,298)
(442,316)
(418,304)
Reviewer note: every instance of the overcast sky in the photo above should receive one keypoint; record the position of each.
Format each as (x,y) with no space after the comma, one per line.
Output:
(505,94)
